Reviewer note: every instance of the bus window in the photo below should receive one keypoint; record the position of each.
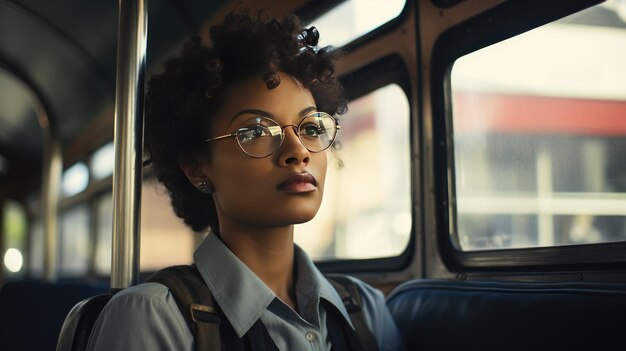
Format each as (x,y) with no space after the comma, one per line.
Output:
(354,18)
(14,231)
(104,230)
(36,250)
(539,129)
(165,240)
(75,242)
(366,208)
(75,179)
(101,164)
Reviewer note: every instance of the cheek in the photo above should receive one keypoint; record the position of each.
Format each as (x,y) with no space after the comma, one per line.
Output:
(238,178)
(237,196)
(319,163)
(229,169)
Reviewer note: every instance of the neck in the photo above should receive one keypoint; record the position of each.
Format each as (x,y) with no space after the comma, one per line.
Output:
(268,252)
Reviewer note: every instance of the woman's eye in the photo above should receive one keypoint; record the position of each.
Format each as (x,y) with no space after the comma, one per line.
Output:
(311,130)
(250,133)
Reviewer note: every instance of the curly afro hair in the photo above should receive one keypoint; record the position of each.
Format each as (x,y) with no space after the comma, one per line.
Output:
(181,100)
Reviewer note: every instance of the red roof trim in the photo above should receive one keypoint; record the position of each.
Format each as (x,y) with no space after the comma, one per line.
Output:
(517,114)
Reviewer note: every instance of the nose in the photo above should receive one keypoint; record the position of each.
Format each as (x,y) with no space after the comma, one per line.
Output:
(292,152)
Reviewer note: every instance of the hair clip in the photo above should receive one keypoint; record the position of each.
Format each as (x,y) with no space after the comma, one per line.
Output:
(271,79)
(308,39)
(207,91)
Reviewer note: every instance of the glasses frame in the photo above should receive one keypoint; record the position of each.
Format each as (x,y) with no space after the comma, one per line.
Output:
(296,128)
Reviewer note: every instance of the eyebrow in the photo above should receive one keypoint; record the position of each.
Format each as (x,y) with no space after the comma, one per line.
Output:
(301,114)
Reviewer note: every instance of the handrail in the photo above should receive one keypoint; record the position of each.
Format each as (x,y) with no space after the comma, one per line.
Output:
(128,138)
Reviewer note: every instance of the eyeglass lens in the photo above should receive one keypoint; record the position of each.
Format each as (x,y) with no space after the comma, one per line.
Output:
(262,137)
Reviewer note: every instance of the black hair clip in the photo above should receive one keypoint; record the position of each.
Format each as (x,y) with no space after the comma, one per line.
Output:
(308,39)
(271,79)
(209,93)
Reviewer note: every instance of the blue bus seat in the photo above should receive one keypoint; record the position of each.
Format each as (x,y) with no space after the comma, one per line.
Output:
(32,312)
(74,335)
(473,315)
(78,324)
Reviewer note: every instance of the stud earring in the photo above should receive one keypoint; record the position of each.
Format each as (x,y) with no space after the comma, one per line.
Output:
(204,187)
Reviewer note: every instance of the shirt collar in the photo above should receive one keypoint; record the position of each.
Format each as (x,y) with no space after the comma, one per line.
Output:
(312,282)
(242,296)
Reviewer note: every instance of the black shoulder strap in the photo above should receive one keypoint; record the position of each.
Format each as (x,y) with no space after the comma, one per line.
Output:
(210,328)
(195,303)
(202,315)
(351,296)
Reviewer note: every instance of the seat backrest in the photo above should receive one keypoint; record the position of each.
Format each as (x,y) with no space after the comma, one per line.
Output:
(74,335)
(469,315)
(32,313)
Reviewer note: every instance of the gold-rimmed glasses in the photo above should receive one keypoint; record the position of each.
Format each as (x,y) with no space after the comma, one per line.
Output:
(262,136)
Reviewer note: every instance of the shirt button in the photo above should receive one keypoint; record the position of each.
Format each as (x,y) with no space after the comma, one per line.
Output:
(310,336)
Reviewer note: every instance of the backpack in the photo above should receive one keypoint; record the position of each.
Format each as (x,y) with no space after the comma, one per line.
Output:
(211,329)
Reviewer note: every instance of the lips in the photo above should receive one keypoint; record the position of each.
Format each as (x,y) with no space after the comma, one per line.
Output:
(298,183)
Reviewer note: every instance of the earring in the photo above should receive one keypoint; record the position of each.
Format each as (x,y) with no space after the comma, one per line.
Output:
(204,187)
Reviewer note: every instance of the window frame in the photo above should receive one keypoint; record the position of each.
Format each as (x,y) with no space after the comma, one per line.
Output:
(444,4)
(387,70)
(501,22)
(315,9)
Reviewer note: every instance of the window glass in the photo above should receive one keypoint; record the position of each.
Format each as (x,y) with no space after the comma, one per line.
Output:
(102,161)
(165,240)
(539,126)
(36,252)
(75,246)
(104,233)
(354,18)
(14,233)
(366,209)
(75,179)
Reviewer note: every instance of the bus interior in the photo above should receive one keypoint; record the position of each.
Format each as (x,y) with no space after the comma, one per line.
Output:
(477,179)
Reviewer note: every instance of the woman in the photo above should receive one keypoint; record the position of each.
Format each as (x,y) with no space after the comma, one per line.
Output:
(238,134)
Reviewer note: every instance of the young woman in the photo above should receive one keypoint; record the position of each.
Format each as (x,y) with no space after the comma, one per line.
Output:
(238,132)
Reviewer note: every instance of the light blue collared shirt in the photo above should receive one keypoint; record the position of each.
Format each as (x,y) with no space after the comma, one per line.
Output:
(146,317)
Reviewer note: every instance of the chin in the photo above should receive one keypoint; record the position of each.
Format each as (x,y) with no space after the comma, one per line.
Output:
(303,219)
(284,219)
(299,211)
(297,215)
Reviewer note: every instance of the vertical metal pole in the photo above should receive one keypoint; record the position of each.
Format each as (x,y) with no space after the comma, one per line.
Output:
(127,175)
(50,191)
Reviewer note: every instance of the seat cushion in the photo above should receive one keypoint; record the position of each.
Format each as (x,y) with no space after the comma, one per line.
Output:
(31,313)
(471,315)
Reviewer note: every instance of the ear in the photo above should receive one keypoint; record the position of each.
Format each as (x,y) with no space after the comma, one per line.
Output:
(196,170)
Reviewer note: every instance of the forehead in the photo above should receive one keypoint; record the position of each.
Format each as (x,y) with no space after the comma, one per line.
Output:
(283,102)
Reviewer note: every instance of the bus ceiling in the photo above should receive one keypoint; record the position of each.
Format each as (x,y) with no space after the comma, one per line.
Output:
(68,52)
(58,89)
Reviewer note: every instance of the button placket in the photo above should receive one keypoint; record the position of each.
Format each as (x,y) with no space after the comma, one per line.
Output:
(310,336)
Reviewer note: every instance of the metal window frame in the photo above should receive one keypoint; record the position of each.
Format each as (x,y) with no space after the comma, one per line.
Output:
(501,22)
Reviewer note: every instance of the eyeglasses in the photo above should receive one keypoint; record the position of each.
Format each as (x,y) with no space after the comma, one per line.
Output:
(262,136)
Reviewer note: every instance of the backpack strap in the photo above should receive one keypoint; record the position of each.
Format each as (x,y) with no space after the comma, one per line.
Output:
(202,314)
(351,296)
(206,321)
(195,303)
